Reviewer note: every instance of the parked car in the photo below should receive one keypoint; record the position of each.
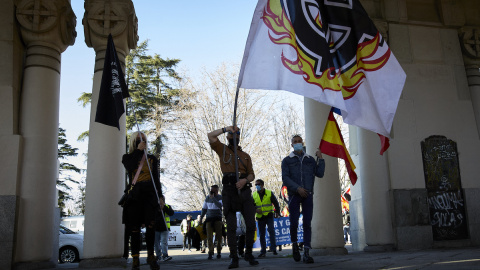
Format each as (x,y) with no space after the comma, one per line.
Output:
(74,223)
(70,245)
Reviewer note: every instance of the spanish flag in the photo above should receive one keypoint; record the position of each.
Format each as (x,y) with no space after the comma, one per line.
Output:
(332,144)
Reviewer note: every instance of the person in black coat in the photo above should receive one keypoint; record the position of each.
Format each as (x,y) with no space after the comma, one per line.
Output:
(141,209)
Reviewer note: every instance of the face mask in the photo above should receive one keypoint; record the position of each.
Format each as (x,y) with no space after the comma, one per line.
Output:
(258,188)
(298,147)
(230,141)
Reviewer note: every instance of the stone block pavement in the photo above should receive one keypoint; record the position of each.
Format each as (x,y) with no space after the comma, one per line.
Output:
(430,259)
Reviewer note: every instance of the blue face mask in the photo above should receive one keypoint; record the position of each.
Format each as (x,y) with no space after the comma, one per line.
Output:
(258,188)
(298,147)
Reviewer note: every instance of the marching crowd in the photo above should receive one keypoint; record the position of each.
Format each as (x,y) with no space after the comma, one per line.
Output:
(236,205)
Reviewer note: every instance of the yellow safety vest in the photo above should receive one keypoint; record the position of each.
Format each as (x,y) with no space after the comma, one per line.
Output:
(265,204)
(167,219)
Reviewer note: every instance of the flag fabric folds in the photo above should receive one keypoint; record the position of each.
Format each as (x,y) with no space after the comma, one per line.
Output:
(332,144)
(329,51)
(113,89)
(385,142)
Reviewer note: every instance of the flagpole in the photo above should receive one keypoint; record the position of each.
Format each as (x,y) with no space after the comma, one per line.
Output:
(235,135)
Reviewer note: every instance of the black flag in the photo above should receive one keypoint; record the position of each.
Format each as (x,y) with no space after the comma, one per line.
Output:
(113,89)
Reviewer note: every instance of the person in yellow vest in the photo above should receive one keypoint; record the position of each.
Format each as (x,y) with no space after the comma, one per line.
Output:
(186,225)
(265,201)
(162,232)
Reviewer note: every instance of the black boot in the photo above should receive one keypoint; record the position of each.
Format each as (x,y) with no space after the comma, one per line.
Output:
(136,263)
(233,261)
(296,253)
(250,259)
(306,256)
(152,261)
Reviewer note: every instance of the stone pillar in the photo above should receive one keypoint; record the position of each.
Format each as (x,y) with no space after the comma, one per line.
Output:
(103,243)
(374,175)
(470,43)
(327,229)
(47,29)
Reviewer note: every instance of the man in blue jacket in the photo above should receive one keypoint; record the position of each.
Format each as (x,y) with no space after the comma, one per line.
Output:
(298,175)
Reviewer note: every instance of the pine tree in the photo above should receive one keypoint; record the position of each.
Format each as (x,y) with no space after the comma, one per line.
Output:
(149,80)
(65,150)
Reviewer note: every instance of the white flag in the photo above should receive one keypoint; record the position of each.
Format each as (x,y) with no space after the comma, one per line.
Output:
(327,50)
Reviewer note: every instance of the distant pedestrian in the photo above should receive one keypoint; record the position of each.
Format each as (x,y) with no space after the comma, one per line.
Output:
(185,227)
(346,225)
(241,231)
(265,203)
(212,208)
(162,232)
(203,243)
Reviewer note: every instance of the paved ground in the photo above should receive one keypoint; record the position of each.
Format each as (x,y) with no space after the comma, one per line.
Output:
(433,259)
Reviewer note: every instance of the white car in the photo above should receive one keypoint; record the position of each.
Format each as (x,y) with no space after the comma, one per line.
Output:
(70,245)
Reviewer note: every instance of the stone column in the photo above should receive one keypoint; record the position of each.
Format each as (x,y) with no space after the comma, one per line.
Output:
(47,29)
(103,243)
(327,229)
(470,43)
(374,175)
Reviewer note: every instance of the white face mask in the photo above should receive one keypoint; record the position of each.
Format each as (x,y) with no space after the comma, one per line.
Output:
(298,146)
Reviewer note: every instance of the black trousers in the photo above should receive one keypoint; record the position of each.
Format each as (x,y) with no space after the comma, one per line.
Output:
(141,211)
(232,203)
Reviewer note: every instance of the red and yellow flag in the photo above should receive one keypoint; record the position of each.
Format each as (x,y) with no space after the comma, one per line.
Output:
(332,144)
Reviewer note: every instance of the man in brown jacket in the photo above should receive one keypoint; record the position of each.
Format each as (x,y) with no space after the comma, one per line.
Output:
(237,196)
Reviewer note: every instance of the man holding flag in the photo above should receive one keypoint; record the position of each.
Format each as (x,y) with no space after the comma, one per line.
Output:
(298,175)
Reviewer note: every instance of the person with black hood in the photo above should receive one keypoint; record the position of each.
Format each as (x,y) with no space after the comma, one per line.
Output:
(237,196)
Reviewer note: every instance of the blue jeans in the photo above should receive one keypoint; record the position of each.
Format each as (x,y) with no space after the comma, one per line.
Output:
(161,243)
(267,221)
(307,211)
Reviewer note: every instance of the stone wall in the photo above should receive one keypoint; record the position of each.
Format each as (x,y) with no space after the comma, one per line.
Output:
(434,43)
(10,141)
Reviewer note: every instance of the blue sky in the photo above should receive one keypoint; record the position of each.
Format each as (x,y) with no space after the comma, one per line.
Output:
(202,34)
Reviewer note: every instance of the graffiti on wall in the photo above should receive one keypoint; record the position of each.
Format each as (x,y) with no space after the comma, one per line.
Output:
(444,189)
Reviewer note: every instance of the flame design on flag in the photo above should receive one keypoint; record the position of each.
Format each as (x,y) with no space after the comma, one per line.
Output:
(281,32)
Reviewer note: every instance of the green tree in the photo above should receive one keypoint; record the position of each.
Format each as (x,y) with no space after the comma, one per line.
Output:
(154,99)
(65,150)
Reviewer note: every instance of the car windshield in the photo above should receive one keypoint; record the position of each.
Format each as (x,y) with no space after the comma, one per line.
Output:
(66,230)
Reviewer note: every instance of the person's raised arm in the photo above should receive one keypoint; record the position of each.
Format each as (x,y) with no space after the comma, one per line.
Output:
(213,136)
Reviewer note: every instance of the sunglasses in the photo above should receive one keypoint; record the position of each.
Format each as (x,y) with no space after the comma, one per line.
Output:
(238,132)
